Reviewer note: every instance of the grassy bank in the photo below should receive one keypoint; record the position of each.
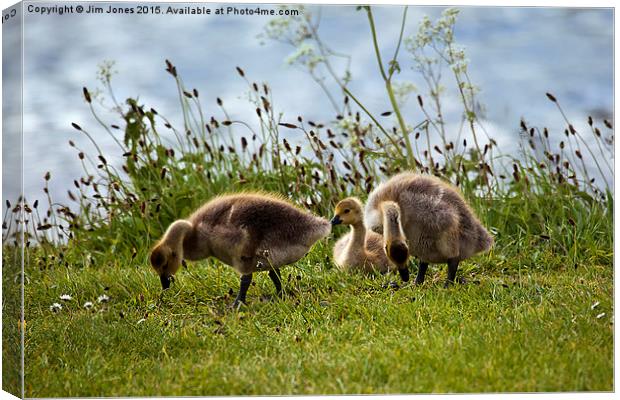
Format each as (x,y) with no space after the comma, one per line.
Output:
(524,329)
(535,314)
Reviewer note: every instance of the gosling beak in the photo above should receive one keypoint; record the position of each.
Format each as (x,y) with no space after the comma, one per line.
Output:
(165,281)
(404,274)
(336,220)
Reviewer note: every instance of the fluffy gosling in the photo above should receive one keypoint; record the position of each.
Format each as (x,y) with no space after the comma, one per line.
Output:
(428,218)
(360,250)
(248,231)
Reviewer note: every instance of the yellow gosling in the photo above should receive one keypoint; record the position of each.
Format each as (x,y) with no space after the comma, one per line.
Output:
(360,250)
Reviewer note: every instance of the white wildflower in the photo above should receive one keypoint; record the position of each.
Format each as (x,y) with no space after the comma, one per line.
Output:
(141,321)
(65,297)
(601,315)
(593,306)
(88,304)
(55,307)
(103,298)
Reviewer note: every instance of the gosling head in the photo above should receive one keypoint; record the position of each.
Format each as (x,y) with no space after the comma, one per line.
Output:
(348,212)
(167,255)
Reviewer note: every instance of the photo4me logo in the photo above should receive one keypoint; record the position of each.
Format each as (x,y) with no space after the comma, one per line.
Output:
(170,9)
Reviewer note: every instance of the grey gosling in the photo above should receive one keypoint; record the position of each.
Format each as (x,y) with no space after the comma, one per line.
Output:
(423,216)
(248,231)
(360,250)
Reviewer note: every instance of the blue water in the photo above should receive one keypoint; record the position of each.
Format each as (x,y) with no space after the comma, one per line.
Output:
(516,55)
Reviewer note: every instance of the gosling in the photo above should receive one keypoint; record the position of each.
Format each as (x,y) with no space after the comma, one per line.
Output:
(428,218)
(248,231)
(360,250)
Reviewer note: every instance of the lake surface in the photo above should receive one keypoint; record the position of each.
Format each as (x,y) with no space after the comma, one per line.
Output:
(516,55)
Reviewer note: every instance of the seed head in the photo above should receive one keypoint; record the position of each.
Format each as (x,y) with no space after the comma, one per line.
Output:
(86,95)
(172,70)
(572,129)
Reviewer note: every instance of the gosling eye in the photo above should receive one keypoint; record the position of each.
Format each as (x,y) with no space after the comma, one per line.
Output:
(346,211)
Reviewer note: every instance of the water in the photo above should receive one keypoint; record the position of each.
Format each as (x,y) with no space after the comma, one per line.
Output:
(516,55)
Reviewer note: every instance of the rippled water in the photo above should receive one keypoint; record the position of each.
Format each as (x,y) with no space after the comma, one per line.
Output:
(516,55)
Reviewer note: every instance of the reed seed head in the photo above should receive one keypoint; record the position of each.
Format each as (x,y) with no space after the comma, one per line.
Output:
(86,95)
(551,97)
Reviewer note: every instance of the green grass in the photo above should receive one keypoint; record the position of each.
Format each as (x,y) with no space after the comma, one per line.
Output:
(527,329)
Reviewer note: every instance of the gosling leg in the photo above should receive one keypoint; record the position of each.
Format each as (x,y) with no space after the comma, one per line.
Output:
(419,279)
(276,278)
(246,280)
(404,273)
(453,265)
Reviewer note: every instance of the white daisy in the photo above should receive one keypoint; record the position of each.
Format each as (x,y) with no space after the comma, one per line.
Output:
(88,304)
(65,297)
(103,298)
(55,307)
